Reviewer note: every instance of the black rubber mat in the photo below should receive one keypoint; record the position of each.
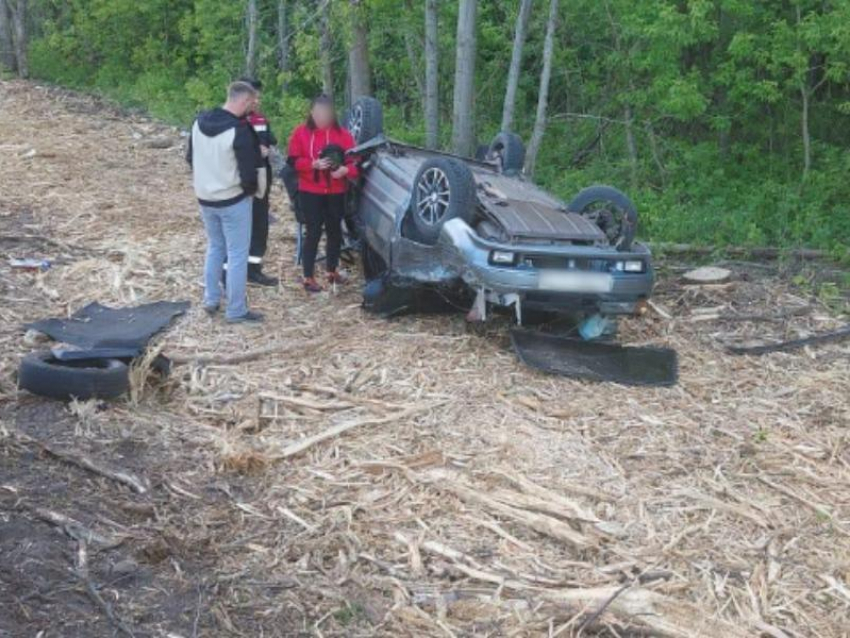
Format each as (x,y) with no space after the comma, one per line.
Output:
(596,361)
(97,326)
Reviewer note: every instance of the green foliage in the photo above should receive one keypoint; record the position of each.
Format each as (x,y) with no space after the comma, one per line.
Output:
(712,90)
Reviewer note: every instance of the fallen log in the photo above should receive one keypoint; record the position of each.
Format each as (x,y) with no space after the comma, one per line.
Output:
(529,487)
(221,358)
(793,344)
(762,252)
(635,607)
(81,572)
(302,446)
(85,463)
(540,523)
(72,527)
(777,317)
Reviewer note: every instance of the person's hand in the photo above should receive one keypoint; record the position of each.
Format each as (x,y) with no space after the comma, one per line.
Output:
(264,151)
(321,164)
(339,173)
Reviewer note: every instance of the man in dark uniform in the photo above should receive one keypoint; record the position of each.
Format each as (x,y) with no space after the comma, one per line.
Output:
(260,212)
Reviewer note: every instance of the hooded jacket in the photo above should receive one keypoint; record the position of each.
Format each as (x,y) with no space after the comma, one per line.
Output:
(224,152)
(306,145)
(261,126)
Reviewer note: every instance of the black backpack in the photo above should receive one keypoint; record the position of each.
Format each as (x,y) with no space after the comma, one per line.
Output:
(289,176)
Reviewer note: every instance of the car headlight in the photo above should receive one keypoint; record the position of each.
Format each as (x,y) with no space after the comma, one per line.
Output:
(634,265)
(503,257)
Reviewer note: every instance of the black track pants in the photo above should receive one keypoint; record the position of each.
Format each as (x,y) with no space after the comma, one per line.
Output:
(259,229)
(321,212)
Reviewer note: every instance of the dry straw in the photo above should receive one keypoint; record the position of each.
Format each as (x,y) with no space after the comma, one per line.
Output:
(347,475)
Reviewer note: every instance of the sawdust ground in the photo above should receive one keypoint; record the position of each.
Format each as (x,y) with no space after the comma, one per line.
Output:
(727,494)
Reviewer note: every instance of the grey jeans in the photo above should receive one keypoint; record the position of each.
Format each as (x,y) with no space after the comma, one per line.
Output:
(228,236)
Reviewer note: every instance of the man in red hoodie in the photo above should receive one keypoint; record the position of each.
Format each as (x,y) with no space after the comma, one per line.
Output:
(317,151)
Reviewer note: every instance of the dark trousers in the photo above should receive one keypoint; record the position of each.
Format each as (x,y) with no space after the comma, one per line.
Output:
(259,229)
(321,212)
(259,234)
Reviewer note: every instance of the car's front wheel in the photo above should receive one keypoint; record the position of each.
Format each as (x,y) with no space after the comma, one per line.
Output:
(508,152)
(611,210)
(443,189)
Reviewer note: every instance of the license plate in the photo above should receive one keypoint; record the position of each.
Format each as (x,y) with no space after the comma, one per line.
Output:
(569,281)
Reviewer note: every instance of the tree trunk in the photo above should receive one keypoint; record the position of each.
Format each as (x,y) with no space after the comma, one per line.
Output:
(432,79)
(726,31)
(283,40)
(325,49)
(18,13)
(656,153)
(7,42)
(410,45)
(724,135)
(631,145)
(516,63)
(358,54)
(804,124)
(463,137)
(804,116)
(543,94)
(252,19)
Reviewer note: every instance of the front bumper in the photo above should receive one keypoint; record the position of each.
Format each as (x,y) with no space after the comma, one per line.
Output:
(461,254)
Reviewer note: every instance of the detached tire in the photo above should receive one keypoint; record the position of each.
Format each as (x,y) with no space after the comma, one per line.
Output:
(42,374)
(611,210)
(442,190)
(508,151)
(365,119)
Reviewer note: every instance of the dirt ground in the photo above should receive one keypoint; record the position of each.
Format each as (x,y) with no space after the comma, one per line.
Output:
(471,496)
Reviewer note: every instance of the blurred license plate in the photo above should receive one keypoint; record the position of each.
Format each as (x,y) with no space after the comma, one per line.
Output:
(569,281)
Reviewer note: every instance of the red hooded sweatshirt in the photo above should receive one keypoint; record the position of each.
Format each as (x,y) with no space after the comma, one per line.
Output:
(306,145)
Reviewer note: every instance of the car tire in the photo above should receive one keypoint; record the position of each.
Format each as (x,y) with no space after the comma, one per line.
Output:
(42,374)
(442,190)
(620,224)
(508,151)
(365,119)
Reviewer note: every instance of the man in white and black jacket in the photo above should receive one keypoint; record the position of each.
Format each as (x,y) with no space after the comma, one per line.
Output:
(228,170)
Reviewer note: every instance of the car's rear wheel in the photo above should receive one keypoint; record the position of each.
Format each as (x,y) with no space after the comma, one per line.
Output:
(442,190)
(611,210)
(365,120)
(508,152)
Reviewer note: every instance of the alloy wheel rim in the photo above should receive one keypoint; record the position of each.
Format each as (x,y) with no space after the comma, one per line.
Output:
(355,124)
(433,194)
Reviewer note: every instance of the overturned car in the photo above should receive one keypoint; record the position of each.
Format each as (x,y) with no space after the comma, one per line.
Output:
(432,218)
